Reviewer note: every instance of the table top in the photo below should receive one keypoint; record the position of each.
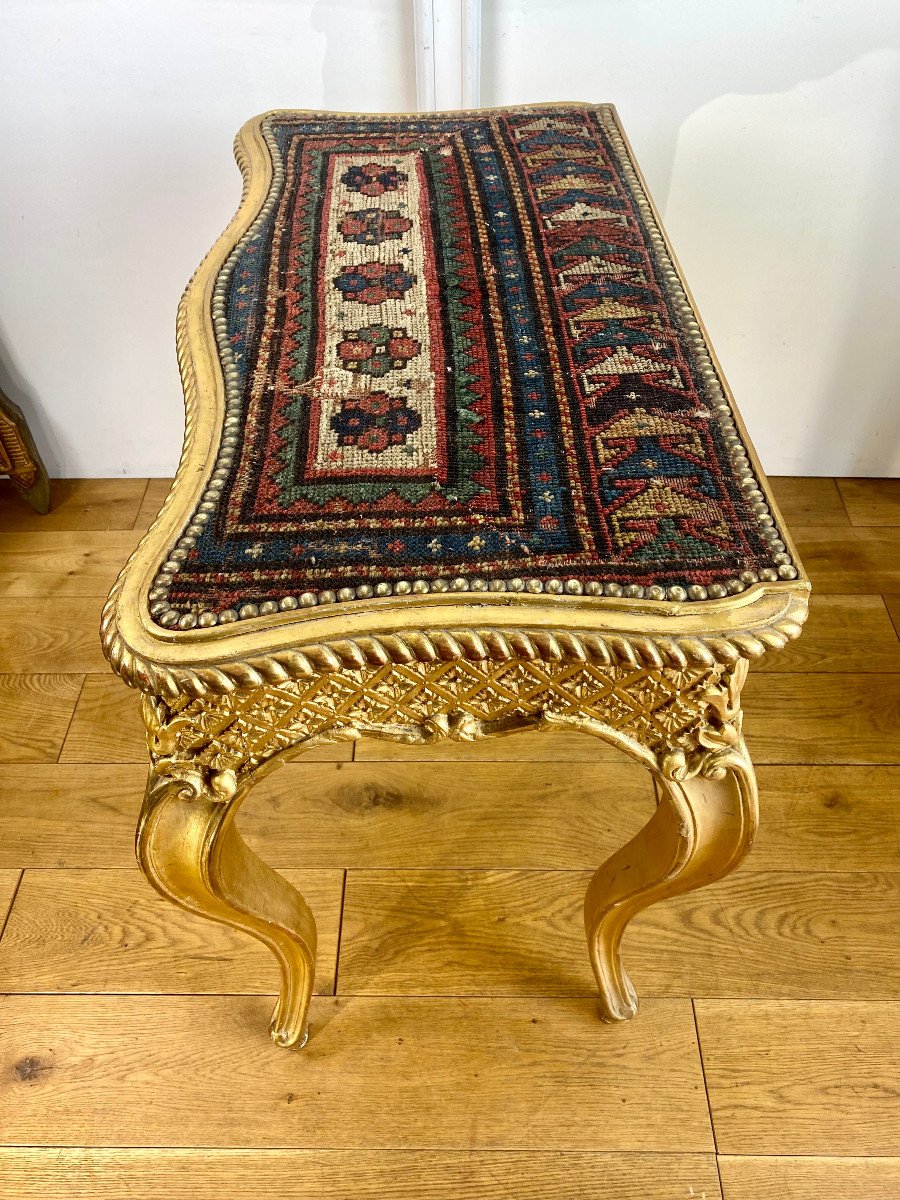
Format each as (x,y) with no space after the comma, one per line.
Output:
(448,360)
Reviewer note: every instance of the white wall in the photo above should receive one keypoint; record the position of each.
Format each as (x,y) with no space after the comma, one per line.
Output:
(116,123)
(769,132)
(770,135)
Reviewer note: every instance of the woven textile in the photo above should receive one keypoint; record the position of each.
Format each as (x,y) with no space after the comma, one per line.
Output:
(459,352)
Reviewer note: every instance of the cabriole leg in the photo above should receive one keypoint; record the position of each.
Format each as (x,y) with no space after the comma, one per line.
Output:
(191,852)
(703,826)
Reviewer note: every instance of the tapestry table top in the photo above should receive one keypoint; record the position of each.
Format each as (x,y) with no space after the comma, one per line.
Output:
(458,356)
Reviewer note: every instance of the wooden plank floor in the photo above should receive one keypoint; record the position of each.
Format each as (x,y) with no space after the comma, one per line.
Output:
(456,1050)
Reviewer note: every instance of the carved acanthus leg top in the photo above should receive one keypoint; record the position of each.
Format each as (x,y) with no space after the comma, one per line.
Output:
(190,851)
(703,826)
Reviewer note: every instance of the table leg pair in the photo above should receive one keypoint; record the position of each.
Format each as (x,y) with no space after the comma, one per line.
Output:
(682,723)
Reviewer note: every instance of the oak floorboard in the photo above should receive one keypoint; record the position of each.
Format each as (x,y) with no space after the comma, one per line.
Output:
(67,563)
(758,933)
(397,815)
(412,814)
(107,727)
(90,504)
(9,881)
(805,501)
(842,634)
(376,1073)
(852,560)
(871,501)
(892,604)
(815,1077)
(154,498)
(36,1173)
(787,1177)
(804,717)
(69,816)
(114,933)
(828,818)
(35,711)
(60,633)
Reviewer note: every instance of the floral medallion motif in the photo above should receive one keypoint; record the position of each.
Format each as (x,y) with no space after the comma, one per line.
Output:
(375,422)
(376,349)
(374,282)
(372,226)
(373,179)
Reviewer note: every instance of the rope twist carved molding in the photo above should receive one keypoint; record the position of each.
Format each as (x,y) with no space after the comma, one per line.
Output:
(473,645)
(683,721)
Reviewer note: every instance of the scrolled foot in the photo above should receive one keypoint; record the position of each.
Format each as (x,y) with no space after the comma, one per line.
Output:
(618,1000)
(288,1036)
(289,1026)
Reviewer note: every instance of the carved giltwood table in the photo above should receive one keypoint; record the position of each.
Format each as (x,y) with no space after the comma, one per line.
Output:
(458,462)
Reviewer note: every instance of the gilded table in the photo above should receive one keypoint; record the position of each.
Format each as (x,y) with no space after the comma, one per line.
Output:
(459,461)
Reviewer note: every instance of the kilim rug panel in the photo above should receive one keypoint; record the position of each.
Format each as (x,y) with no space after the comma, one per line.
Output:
(459,352)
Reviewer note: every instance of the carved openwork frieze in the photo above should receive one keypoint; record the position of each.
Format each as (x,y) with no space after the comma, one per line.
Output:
(680,718)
